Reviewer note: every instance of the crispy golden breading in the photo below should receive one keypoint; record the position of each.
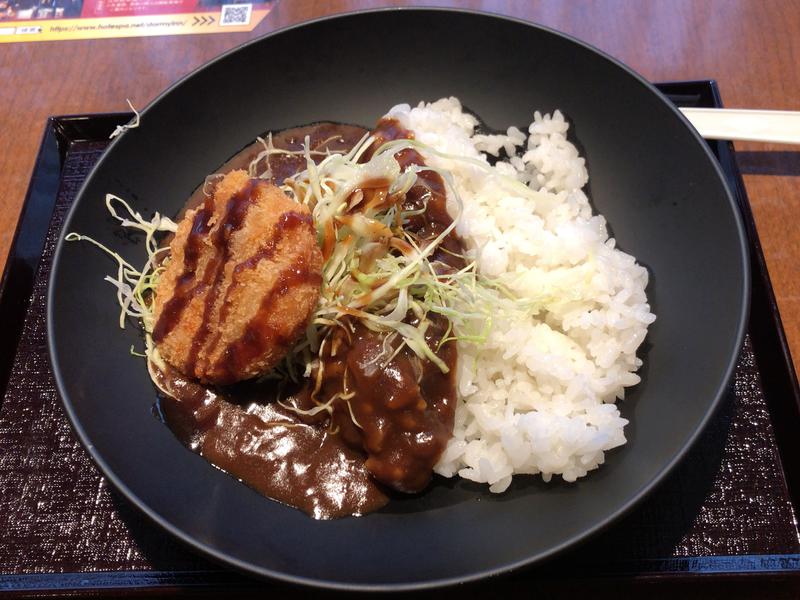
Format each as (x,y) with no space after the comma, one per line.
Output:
(242,281)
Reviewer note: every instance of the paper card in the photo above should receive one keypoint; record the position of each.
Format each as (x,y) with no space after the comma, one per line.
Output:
(49,20)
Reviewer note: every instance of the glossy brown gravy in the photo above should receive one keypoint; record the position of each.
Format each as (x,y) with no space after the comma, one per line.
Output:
(243,431)
(327,467)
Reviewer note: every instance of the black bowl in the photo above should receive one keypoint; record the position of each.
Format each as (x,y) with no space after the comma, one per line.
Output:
(651,176)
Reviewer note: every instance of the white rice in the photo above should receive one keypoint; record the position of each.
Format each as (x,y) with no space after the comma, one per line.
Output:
(537,397)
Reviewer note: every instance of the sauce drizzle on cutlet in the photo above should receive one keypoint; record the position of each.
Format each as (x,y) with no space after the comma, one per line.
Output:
(287,222)
(184,290)
(262,331)
(233,220)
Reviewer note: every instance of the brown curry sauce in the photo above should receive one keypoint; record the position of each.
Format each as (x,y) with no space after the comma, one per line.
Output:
(390,432)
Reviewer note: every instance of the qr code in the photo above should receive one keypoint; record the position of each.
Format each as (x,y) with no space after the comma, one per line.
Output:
(236,14)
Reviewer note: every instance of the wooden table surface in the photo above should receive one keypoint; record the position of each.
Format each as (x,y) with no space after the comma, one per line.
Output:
(751,47)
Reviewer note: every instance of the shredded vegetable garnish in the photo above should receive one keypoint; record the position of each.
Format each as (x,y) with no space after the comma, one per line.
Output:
(132,124)
(376,271)
(136,287)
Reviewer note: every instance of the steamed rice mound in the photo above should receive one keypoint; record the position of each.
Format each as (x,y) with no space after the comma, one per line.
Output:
(538,396)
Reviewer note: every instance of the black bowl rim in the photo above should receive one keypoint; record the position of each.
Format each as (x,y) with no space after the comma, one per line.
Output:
(250,569)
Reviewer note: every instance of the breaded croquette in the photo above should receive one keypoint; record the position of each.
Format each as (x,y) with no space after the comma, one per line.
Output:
(241,284)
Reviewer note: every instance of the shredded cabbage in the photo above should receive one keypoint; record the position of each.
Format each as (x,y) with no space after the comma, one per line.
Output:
(374,271)
(136,287)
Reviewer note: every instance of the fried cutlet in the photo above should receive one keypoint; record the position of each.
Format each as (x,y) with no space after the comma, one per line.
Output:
(241,284)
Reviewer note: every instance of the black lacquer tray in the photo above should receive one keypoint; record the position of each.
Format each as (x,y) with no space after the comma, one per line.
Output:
(725,520)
